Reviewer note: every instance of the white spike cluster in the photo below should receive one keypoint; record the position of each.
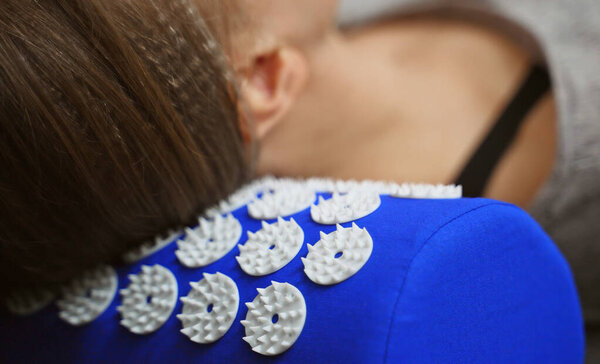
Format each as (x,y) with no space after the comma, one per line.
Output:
(86,297)
(275,318)
(236,200)
(338,255)
(149,299)
(406,190)
(209,242)
(344,208)
(28,302)
(272,183)
(426,191)
(339,186)
(270,248)
(284,200)
(150,247)
(217,293)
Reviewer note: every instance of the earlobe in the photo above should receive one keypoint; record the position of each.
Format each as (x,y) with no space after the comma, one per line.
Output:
(271,86)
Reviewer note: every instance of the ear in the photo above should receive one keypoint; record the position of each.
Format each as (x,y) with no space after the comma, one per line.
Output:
(271,86)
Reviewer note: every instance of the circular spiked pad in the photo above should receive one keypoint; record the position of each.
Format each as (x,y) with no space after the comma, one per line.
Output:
(149,247)
(344,208)
(209,242)
(28,302)
(86,297)
(285,200)
(275,318)
(148,300)
(210,308)
(338,255)
(270,248)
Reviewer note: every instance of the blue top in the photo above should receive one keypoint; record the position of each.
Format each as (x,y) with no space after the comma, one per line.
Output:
(454,281)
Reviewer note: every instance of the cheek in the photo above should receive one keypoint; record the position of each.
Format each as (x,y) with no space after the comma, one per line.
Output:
(323,12)
(330,6)
(299,19)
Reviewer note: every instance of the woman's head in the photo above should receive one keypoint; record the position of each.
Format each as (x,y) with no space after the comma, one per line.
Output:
(119,120)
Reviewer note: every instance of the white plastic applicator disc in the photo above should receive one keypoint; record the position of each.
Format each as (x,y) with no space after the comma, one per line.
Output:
(344,208)
(270,248)
(150,247)
(85,298)
(287,199)
(338,255)
(210,308)
(28,302)
(275,318)
(149,299)
(209,242)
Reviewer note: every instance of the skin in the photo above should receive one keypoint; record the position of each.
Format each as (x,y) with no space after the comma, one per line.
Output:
(405,100)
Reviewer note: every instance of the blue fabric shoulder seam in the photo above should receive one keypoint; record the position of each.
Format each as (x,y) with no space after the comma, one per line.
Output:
(445,224)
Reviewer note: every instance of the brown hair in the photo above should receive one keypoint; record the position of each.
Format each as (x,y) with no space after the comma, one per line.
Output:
(118,120)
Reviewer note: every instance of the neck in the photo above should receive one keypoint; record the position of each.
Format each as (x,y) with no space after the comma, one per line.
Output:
(437,101)
(409,101)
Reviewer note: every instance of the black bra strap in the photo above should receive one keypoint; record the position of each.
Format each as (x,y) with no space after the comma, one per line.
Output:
(479,168)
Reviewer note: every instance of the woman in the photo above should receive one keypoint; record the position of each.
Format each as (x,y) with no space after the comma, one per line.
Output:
(177,140)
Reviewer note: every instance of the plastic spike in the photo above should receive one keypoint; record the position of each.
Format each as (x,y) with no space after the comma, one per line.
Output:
(85,298)
(355,244)
(219,290)
(266,335)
